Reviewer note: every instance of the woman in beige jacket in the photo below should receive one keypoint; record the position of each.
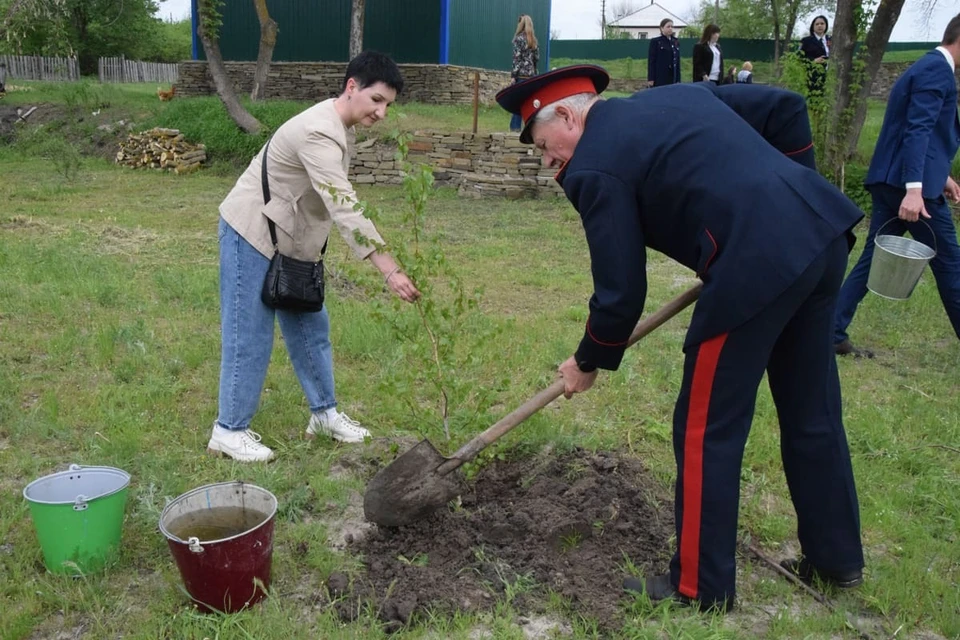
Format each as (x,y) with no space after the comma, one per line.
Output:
(307,164)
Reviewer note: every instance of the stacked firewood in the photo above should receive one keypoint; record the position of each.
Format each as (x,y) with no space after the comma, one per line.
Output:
(161,149)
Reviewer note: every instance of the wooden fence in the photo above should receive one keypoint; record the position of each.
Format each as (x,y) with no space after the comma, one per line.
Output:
(38,68)
(123,70)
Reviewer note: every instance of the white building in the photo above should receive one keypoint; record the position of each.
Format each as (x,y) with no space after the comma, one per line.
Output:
(645,23)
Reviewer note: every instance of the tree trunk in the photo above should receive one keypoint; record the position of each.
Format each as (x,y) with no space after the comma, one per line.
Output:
(888,12)
(356,28)
(225,89)
(775,14)
(854,77)
(793,8)
(268,40)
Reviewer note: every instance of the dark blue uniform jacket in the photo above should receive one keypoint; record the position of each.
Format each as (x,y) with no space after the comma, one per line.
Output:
(663,61)
(681,171)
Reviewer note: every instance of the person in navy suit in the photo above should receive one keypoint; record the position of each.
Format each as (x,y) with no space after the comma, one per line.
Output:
(769,238)
(909,179)
(663,59)
(815,49)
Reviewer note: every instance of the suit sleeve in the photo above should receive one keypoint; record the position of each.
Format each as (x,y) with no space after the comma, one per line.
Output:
(780,116)
(323,159)
(652,60)
(924,105)
(695,58)
(611,221)
(809,48)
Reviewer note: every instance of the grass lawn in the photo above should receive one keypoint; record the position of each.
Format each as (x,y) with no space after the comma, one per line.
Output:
(109,354)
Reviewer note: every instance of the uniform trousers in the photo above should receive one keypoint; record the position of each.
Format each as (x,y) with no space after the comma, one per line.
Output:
(790,340)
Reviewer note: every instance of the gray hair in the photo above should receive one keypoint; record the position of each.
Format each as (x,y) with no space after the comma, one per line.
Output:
(578,102)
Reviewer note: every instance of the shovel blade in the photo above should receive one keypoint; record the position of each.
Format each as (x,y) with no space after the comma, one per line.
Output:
(409,488)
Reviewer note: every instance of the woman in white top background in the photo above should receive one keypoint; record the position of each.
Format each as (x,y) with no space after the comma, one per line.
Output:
(708,57)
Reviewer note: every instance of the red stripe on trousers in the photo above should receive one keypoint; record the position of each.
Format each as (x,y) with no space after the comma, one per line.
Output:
(704,372)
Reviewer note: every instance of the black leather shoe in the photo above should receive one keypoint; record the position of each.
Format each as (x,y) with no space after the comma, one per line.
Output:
(802,568)
(660,588)
(846,348)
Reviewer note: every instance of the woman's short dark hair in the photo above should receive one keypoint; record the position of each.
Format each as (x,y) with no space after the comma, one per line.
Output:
(708,32)
(665,22)
(826,24)
(371,67)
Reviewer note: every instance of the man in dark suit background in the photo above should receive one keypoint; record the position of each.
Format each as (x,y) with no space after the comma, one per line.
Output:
(909,179)
(769,238)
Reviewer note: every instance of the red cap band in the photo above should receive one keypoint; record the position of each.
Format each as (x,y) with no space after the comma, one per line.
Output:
(555,91)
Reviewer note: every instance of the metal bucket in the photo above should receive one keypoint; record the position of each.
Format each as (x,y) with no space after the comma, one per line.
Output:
(221,536)
(897,264)
(78,515)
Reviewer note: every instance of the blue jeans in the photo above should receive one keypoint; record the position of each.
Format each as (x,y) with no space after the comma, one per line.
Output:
(945,266)
(516,122)
(246,327)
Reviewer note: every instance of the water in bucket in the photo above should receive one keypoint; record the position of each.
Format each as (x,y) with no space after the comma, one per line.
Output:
(78,516)
(897,264)
(221,537)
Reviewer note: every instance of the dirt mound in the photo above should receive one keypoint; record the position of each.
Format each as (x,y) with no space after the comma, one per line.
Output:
(565,523)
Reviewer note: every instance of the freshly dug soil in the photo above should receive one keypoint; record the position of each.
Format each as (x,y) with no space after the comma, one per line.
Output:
(564,523)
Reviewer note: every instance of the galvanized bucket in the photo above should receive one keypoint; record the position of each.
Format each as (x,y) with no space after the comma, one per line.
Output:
(78,515)
(221,536)
(897,264)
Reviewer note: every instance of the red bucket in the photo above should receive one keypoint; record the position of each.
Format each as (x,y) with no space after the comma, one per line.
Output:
(221,536)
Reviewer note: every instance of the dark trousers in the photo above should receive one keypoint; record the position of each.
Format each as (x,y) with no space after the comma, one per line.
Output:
(945,266)
(791,340)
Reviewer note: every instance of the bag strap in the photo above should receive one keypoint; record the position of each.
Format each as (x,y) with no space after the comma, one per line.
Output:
(265,185)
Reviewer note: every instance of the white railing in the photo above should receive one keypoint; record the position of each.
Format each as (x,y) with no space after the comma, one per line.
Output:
(123,70)
(40,68)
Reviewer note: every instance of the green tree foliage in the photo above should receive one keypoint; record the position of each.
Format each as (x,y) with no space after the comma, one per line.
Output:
(750,18)
(89,29)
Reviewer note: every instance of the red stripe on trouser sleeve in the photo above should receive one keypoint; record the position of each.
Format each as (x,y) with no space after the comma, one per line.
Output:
(704,372)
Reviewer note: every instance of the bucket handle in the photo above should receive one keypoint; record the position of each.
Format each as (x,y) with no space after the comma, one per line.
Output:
(80,503)
(194,544)
(932,234)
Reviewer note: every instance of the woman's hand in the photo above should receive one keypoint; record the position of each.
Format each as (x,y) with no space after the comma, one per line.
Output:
(403,286)
(393,277)
(821,60)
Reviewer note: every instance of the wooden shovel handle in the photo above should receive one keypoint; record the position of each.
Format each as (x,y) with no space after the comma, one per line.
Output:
(470,450)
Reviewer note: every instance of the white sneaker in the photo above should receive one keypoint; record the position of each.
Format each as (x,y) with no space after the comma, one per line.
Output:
(342,427)
(239,444)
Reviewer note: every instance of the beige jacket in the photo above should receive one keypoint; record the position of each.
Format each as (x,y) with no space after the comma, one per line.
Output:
(308,154)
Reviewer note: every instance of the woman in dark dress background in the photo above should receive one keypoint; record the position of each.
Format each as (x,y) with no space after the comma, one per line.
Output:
(815,51)
(663,60)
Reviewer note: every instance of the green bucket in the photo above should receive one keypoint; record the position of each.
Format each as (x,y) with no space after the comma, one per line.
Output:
(78,515)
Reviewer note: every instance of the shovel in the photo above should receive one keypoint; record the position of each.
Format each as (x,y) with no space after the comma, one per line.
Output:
(421,480)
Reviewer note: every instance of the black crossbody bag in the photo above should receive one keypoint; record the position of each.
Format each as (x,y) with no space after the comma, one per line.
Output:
(291,284)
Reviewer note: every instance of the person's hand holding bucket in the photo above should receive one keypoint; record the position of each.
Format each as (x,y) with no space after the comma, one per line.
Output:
(912,207)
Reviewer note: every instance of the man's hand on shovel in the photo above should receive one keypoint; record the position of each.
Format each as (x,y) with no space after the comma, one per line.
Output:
(574,380)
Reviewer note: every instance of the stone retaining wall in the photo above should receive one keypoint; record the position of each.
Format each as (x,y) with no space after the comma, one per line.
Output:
(477,165)
(888,74)
(316,81)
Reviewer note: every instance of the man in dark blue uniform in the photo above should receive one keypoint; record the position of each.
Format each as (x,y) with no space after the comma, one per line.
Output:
(769,238)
